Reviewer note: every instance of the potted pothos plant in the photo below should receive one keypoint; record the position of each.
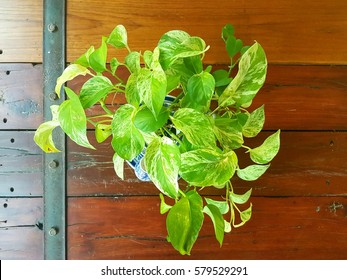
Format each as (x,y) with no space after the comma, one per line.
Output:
(182,122)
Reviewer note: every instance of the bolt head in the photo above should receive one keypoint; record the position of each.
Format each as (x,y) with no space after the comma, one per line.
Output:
(53,231)
(52,27)
(53,96)
(53,164)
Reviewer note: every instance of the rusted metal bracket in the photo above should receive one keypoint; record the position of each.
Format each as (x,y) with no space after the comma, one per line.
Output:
(54,164)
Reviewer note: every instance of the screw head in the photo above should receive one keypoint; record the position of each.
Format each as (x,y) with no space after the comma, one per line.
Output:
(53,231)
(52,27)
(53,164)
(53,96)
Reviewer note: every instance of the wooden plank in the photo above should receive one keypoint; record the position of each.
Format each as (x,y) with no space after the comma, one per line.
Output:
(20,164)
(21,243)
(297,31)
(309,163)
(21,235)
(20,96)
(21,31)
(280,228)
(296,97)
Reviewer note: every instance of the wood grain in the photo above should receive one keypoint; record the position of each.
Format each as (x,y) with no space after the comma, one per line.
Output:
(297,31)
(280,228)
(20,164)
(21,30)
(295,97)
(309,163)
(291,32)
(21,97)
(21,235)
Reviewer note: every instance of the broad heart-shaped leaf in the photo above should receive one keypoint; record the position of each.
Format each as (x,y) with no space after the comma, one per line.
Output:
(43,135)
(254,123)
(195,126)
(208,167)
(200,89)
(228,132)
(94,89)
(127,140)
(70,72)
(240,198)
(268,150)
(217,219)
(118,37)
(177,44)
(248,80)
(97,59)
(184,222)
(145,120)
(73,120)
(162,161)
(252,172)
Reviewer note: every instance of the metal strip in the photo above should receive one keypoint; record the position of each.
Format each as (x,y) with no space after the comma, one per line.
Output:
(54,164)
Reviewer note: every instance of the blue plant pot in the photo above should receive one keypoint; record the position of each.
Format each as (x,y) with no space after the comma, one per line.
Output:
(136,163)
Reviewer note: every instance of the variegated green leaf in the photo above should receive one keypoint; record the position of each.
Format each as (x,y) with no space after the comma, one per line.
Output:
(43,135)
(162,161)
(195,126)
(240,198)
(73,120)
(223,206)
(254,123)
(184,222)
(207,167)
(228,132)
(266,151)
(177,44)
(127,140)
(132,93)
(217,219)
(84,58)
(200,89)
(148,86)
(118,165)
(249,78)
(70,72)
(245,217)
(151,85)
(94,89)
(97,59)
(132,60)
(118,37)
(102,132)
(252,172)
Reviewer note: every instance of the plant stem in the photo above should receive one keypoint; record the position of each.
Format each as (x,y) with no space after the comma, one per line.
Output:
(172,135)
(103,106)
(181,192)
